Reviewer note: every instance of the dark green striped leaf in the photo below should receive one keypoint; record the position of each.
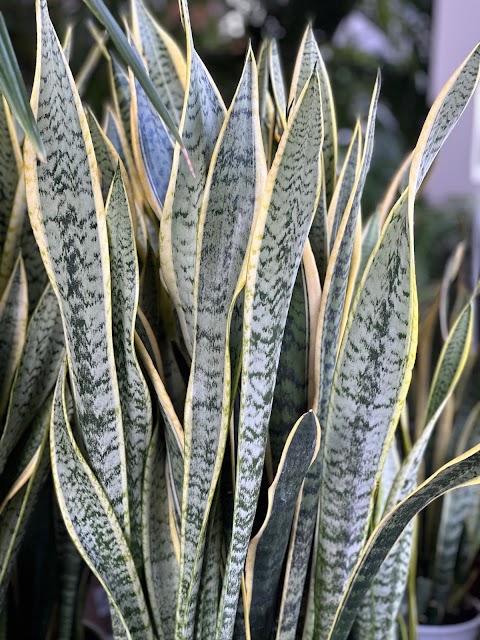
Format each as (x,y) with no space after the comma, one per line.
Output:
(10,160)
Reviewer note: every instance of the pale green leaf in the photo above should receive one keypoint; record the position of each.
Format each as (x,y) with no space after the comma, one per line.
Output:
(278,84)
(288,205)
(9,168)
(68,220)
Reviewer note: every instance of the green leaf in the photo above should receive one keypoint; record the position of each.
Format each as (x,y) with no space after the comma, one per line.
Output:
(68,219)
(164,60)
(371,235)
(13,88)
(125,51)
(284,219)
(134,395)
(369,386)
(308,59)
(318,235)
(465,468)
(92,523)
(160,543)
(102,154)
(234,186)
(278,84)
(37,371)
(13,236)
(267,549)
(10,163)
(202,118)
(13,327)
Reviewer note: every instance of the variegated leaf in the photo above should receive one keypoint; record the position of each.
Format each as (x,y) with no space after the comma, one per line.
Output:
(37,371)
(318,235)
(102,154)
(66,211)
(288,205)
(233,189)
(13,236)
(371,235)
(202,116)
(164,60)
(267,549)
(278,84)
(13,327)
(308,59)
(10,163)
(36,275)
(93,525)
(160,544)
(134,395)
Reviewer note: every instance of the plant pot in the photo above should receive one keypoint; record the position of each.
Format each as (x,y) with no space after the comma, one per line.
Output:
(469,630)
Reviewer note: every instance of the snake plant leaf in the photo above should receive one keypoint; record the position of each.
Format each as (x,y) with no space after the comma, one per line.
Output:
(267,549)
(13,88)
(13,236)
(345,184)
(202,117)
(14,517)
(122,98)
(370,238)
(37,371)
(134,395)
(278,83)
(13,327)
(309,58)
(461,470)
(290,397)
(336,292)
(160,556)
(450,274)
(318,235)
(36,275)
(68,220)
(368,392)
(234,186)
(10,165)
(102,154)
(210,584)
(112,130)
(67,43)
(288,205)
(164,60)
(126,52)
(395,189)
(263,95)
(92,523)
(152,147)
(70,566)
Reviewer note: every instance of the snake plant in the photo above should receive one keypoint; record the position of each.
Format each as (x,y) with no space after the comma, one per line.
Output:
(206,346)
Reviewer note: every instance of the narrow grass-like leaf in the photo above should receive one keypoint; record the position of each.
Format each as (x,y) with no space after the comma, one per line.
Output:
(13,88)
(13,327)
(291,389)
(92,524)
(288,205)
(335,298)
(164,60)
(14,517)
(12,241)
(233,190)
(368,392)
(160,556)
(68,220)
(98,8)
(267,549)
(202,117)
(10,162)
(134,395)
(278,84)
(309,58)
(37,371)
(461,470)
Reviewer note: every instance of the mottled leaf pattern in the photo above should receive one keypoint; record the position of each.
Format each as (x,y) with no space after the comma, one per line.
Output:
(9,168)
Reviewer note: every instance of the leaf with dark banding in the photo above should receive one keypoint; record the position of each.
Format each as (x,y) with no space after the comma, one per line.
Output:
(164,60)
(102,154)
(93,525)
(278,84)
(202,116)
(318,235)
(234,186)
(285,215)
(13,235)
(37,371)
(290,398)
(36,275)
(267,549)
(112,129)
(10,163)
(309,58)
(134,394)
(68,220)
(371,234)
(13,327)
(160,550)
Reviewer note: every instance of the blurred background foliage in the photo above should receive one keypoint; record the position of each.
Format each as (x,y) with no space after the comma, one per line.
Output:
(356,37)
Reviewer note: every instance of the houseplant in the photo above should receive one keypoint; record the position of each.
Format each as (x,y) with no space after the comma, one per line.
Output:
(237,357)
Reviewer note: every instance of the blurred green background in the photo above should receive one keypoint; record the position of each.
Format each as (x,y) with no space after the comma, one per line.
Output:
(356,37)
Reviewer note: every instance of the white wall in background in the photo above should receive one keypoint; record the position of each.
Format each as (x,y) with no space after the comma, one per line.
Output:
(455,32)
